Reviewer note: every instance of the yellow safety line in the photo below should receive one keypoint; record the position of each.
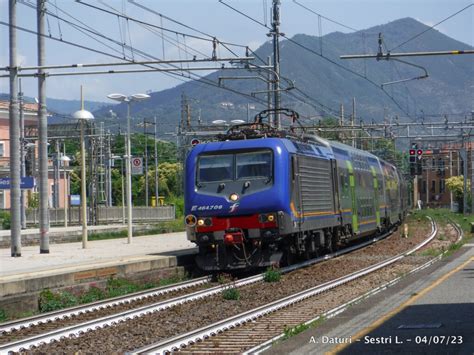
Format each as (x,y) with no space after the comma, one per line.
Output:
(397,310)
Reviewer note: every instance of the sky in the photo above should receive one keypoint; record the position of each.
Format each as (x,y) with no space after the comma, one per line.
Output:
(210,17)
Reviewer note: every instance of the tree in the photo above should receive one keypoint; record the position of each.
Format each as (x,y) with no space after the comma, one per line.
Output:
(455,184)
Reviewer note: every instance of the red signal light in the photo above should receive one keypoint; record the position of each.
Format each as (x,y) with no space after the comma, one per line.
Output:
(419,152)
(412,151)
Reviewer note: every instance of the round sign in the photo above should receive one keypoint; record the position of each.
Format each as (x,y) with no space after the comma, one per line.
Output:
(137,161)
(195,141)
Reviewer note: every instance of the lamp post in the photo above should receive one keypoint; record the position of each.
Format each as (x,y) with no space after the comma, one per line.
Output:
(83,116)
(65,159)
(128,100)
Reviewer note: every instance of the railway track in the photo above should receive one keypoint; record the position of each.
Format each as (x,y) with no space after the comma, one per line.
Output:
(52,331)
(247,332)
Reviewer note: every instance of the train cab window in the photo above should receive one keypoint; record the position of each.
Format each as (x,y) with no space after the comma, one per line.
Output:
(254,165)
(212,168)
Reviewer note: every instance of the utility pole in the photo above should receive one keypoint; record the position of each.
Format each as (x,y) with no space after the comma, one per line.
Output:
(42,132)
(109,171)
(352,121)
(341,121)
(275,33)
(22,156)
(451,175)
(14,139)
(56,176)
(269,85)
(145,123)
(156,163)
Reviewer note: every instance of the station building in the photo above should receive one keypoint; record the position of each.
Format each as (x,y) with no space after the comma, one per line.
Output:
(30,145)
(438,166)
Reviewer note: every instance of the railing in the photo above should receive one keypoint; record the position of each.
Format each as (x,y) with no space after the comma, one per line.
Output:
(104,215)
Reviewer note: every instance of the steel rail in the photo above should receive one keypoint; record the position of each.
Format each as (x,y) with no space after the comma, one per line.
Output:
(65,313)
(258,349)
(189,338)
(78,329)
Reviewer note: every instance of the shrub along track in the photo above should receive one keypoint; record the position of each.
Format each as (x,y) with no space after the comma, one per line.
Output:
(153,327)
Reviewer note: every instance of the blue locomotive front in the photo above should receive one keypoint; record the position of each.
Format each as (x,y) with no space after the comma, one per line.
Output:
(236,200)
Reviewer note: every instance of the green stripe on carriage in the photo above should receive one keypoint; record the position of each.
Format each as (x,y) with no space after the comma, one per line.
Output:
(355,222)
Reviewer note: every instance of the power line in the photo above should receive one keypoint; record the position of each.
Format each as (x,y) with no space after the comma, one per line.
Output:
(322,56)
(155,26)
(325,17)
(431,27)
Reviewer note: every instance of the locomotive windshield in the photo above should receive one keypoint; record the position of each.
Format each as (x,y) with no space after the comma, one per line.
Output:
(238,166)
(253,165)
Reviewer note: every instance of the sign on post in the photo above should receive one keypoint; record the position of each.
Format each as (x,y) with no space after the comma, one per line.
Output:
(75,200)
(27,182)
(137,166)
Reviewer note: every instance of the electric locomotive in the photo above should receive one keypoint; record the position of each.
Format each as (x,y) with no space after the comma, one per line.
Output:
(260,196)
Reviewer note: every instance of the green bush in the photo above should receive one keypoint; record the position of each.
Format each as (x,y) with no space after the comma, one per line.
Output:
(231,294)
(5,219)
(93,294)
(272,275)
(178,202)
(51,301)
(3,315)
(119,287)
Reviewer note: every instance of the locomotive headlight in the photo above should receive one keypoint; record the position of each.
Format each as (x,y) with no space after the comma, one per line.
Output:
(190,220)
(234,197)
(271,218)
(200,222)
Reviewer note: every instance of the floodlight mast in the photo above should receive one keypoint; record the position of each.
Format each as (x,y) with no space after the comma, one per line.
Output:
(128,100)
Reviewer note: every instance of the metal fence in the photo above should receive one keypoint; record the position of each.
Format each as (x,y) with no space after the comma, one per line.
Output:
(105,215)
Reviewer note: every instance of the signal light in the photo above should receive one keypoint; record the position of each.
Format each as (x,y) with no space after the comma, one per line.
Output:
(412,151)
(419,152)
(190,220)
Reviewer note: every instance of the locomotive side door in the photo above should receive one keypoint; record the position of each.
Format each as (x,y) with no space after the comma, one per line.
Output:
(296,200)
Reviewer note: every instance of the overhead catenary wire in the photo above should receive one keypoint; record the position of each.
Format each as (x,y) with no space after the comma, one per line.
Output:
(208,82)
(201,79)
(431,27)
(322,56)
(224,44)
(325,17)
(155,26)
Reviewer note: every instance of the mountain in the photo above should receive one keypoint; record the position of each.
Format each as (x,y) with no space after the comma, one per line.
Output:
(329,81)
(447,90)
(62,109)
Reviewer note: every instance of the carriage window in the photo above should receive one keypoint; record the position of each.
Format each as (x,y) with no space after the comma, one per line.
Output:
(254,165)
(213,168)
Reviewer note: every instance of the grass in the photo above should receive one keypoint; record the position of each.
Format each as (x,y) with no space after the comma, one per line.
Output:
(431,252)
(443,216)
(51,301)
(162,227)
(272,275)
(3,315)
(292,331)
(231,294)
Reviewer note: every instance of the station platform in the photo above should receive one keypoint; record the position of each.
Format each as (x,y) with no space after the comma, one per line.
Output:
(69,265)
(429,312)
(68,234)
